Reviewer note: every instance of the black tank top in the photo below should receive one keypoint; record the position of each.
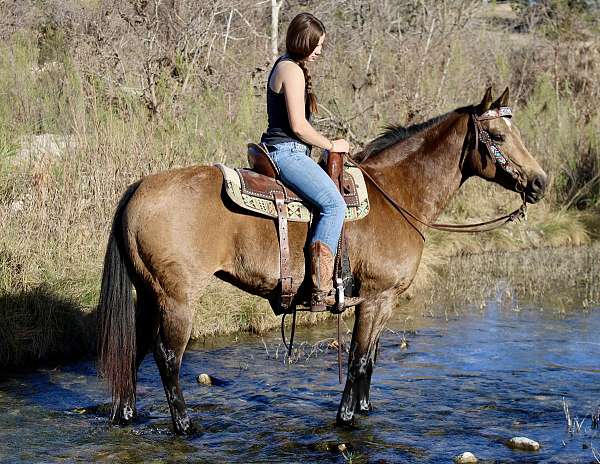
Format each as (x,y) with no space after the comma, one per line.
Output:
(279,129)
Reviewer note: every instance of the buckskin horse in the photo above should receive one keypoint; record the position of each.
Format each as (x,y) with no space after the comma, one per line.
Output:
(173,230)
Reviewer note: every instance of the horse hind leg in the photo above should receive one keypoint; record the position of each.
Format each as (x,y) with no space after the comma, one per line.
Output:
(174,333)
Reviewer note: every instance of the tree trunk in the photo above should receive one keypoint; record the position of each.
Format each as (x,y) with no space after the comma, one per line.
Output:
(275,7)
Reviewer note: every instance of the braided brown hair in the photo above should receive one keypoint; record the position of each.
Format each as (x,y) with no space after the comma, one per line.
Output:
(303,35)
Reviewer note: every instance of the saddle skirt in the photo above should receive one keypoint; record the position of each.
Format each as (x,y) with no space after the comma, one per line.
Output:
(255,192)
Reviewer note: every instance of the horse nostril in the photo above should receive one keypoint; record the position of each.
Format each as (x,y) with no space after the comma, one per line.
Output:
(538,184)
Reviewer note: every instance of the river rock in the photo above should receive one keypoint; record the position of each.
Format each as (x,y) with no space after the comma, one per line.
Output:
(523,443)
(465,458)
(204,379)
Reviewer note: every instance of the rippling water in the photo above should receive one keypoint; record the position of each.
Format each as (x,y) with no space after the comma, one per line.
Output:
(472,377)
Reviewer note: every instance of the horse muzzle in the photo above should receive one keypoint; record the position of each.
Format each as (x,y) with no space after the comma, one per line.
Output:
(536,188)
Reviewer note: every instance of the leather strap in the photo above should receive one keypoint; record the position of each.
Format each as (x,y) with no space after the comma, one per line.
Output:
(338,277)
(284,251)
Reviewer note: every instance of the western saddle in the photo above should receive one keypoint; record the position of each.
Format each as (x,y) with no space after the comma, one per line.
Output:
(270,187)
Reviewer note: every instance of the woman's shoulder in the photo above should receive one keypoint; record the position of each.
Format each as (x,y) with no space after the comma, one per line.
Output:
(289,68)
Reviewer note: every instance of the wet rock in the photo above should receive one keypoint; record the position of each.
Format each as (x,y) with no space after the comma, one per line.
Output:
(465,458)
(523,443)
(204,379)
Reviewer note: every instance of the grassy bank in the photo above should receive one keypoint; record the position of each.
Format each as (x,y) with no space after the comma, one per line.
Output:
(89,105)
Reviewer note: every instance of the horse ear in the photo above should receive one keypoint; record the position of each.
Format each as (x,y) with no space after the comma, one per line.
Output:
(486,103)
(503,100)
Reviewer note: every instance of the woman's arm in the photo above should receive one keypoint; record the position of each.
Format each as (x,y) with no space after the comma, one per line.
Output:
(292,80)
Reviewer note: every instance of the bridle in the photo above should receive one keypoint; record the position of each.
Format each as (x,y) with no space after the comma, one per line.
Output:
(502,161)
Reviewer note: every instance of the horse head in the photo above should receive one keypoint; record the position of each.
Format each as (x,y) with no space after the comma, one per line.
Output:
(496,152)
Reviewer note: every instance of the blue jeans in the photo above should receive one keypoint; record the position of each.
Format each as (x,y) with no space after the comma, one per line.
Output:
(305,177)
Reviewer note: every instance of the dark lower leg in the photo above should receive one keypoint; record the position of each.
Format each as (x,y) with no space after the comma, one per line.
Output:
(357,390)
(124,411)
(345,415)
(168,365)
(363,388)
(146,329)
(363,405)
(370,321)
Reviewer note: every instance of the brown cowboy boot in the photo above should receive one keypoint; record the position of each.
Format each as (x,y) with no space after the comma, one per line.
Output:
(322,266)
(322,262)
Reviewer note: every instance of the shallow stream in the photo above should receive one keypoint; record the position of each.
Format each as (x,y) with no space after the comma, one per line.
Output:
(451,377)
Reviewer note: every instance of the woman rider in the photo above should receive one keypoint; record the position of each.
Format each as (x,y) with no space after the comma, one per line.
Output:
(289,138)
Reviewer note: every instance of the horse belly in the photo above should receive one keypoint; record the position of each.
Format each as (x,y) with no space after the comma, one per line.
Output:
(255,263)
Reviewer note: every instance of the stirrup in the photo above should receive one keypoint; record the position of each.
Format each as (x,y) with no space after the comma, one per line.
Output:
(339,296)
(337,306)
(318,302)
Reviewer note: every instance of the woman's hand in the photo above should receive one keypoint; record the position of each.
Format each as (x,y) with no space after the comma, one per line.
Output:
(340,146)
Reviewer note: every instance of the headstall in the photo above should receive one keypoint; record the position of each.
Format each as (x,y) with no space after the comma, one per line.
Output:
(495,153)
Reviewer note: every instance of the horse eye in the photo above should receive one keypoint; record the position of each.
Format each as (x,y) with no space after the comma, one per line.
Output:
(497,137)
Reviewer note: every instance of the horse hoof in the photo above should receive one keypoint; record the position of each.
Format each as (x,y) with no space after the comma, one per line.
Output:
(186,428)
(193,431)
(345,421)
(124,416)
(351,425)
(364,411)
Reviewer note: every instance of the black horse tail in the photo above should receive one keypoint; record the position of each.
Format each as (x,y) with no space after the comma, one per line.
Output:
(116,319)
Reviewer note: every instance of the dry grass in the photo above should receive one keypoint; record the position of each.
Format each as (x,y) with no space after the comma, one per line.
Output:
(107,131)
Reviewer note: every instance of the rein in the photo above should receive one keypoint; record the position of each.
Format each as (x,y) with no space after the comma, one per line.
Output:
(498,158)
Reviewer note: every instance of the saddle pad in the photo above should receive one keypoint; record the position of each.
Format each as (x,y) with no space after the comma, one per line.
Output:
(298,210)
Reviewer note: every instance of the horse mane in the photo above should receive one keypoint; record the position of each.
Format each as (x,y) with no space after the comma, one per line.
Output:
(393,134)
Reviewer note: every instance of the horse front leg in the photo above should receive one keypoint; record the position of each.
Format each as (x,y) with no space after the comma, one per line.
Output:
(371,318)
(363,384)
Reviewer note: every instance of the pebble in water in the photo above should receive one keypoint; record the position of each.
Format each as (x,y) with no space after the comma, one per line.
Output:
(523,443)
(204,379)
(465,458)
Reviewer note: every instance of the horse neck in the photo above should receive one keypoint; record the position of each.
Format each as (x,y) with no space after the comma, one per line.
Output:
(423,171)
